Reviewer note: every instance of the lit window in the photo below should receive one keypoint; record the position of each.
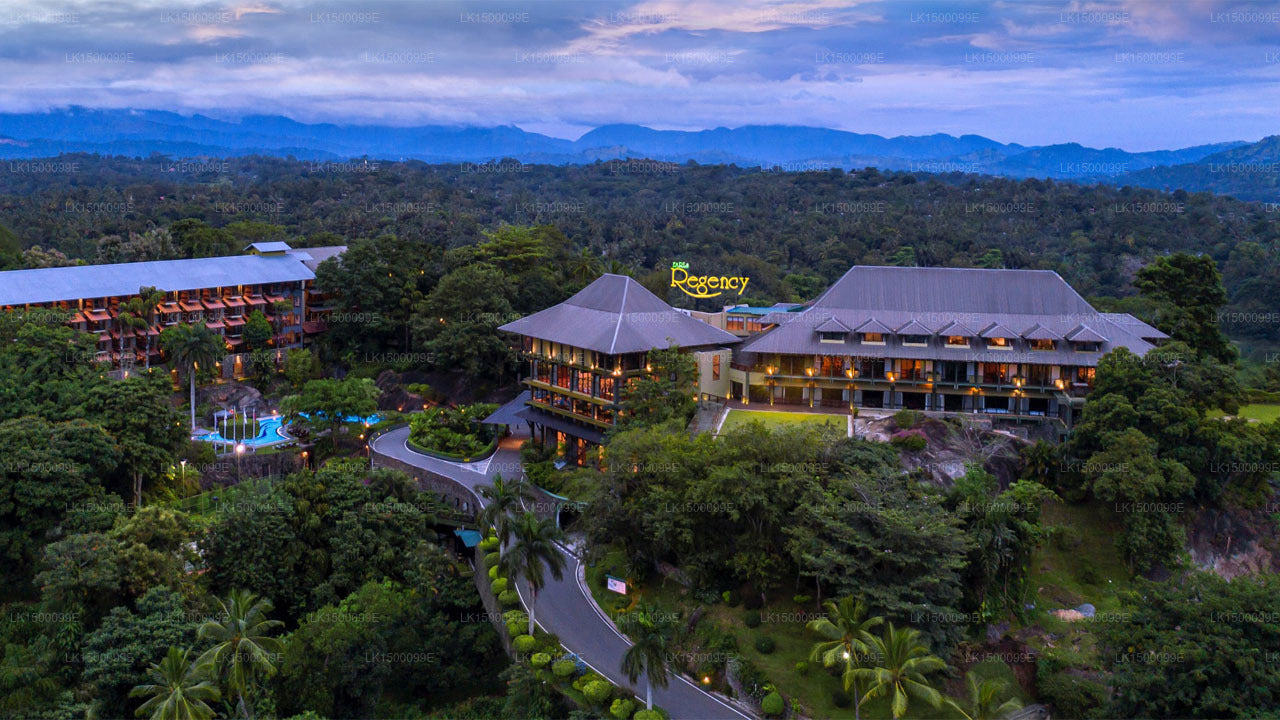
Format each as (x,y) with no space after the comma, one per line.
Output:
(873,338)
(957,341)
(715,367)
(1041,344)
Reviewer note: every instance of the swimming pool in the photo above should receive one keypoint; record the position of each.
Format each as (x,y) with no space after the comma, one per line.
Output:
(270,431)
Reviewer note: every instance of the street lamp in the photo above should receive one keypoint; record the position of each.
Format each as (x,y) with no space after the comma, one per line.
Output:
(239,452)
(183,463)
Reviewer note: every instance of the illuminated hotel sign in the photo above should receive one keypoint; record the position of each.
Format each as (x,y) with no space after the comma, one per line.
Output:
(704,286)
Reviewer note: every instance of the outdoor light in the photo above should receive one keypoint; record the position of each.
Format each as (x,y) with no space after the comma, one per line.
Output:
(890,376)
(845,655)
(849,372)
(240,449)
(1058,383)
(808,371)
(769,370)
(706,679)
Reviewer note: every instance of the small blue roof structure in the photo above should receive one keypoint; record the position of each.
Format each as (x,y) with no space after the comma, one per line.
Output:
(470,538)
(762,311)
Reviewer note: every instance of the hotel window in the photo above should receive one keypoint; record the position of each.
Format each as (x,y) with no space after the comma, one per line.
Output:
(734,323)
(584,382)
(1038,375)
(873,338)
(527,343)
(871,369)
(1087,346)
(915,340)
(543,371)
(999,343)
(715,367)
(1041,344)
(562,376)
(606,388)
(952,372)
(1085,375)
(958,341)
(831,337)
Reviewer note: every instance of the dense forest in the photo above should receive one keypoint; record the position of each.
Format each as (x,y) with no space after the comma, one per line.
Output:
(792,233)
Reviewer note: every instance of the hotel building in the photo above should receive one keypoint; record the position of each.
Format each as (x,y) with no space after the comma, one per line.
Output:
(584,351)
(1017,343)
(220,292)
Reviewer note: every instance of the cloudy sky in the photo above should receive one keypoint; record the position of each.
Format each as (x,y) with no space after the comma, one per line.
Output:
(1136,74)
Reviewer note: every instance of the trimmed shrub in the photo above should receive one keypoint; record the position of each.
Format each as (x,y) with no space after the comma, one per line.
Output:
(524,643)
(751,619)
(499,585)
(539,660)
(509,597)
(564,668)
(802,667)
(493,573)
(491,560)
(765,645)
(598,692)
(907,419)
(622,708)
(909,440)
(489,544)
(841,699)
(772,705)
(648,715)
(801,599)
(586,679)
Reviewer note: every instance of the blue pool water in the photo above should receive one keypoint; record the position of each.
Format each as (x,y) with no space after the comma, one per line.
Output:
(270,430)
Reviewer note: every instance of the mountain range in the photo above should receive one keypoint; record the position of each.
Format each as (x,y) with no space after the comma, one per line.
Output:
(146,132)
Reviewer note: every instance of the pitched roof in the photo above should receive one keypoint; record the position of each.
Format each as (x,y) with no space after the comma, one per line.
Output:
(615,314)
(955,301)
(913,327)
(1084,333)
(41,285)
(996,330)
(873,325)
(275,246)
(953,291)
(1040,332)
(832,325)
(313,256)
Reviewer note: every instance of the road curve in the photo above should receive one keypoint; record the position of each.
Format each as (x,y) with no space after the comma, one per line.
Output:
(565,607)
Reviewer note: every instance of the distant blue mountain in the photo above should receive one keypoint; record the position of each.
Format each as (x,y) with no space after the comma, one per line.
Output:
(145,132)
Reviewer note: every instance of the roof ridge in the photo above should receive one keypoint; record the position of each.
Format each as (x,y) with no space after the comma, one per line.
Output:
(617,325)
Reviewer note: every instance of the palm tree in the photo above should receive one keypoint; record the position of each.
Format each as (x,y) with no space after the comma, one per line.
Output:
(584,266)
(242,648)
(533,549)
(150,299)
(983,702)
(900,666)
(502,499)
(131,317)
(847,630)
(189,347)
(647,655)
(278,310)
(178,690)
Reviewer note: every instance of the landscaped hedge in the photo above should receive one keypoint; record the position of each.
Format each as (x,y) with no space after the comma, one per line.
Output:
(539,660)
(490,544)
(509,597)
(648,715)
(773,705)
(765,645)
(622,708)
(454,433)
(524,643)
(564,668)
(598,692)
(499,585)
(492,559)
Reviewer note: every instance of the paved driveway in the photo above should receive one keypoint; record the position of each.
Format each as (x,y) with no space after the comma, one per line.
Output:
(565,606)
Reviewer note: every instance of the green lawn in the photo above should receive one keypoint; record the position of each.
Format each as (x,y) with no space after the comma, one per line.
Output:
(739,418)
(1262,412)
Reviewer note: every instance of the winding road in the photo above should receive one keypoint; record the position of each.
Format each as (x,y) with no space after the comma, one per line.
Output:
(565,606)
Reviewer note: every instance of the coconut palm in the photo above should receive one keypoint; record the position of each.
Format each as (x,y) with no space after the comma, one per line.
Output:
(242,647)
(178,689)
(847,630)
(150,298)
(585,266)
(502,499)
(899,664)
(279,309)
(131,317)
(650,640)
(983,701)
(188,347)
(533,550)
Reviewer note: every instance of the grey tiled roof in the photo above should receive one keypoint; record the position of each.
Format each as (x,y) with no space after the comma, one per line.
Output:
(615,314)
(42,285)
(955,301)
(313,256)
